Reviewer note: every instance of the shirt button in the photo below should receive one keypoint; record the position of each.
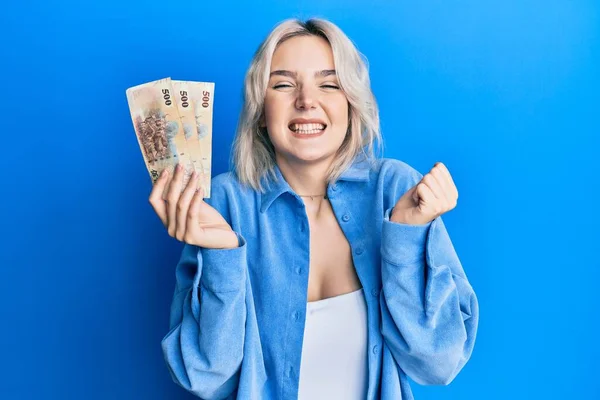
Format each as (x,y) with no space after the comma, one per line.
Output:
(299,271)
(296,315)
(374,349)
(375,292)
(334,188)
(359,250)
(345,218)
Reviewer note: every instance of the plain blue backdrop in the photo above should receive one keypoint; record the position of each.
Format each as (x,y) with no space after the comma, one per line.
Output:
(505,93)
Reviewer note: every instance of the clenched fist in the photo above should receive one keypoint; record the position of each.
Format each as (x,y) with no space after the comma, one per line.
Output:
(434,195)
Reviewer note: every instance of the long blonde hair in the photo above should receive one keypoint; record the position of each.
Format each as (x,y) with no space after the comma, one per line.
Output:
(253,154)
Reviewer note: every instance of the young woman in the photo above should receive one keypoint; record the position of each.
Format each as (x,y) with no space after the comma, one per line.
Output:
(315,270)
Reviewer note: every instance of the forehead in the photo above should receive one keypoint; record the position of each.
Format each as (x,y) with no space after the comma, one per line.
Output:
(308,53)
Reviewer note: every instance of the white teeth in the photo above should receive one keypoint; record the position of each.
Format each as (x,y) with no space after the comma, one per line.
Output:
(307,129)
(312,132)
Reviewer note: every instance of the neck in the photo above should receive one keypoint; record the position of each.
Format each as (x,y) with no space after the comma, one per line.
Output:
(306,179)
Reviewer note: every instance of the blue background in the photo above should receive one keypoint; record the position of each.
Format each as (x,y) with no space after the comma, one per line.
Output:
(505,93)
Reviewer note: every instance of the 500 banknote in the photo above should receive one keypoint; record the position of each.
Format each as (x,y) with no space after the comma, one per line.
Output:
(173,124)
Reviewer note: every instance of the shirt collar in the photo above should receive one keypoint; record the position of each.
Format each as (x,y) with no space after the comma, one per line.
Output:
(358,171)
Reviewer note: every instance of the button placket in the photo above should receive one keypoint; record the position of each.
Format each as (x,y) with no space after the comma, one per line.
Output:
(333,190)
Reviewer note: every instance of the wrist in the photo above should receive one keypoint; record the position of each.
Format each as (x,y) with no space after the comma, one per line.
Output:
(407,219)
(398,217)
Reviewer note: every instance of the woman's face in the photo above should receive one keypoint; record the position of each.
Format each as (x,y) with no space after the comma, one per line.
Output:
(306,112)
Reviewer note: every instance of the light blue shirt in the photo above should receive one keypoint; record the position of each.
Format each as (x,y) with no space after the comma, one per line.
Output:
(237,317)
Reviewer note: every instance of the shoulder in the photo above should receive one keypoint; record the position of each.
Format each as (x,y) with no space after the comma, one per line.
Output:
(227,184)
(228,195)
(392,178)
(393,171)
(383,173)
(224,182)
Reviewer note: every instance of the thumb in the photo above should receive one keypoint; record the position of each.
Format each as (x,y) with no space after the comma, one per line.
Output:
(408,199)
(415,194)
(412,194)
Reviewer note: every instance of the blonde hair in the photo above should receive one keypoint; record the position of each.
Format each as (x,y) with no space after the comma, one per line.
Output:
(253,154)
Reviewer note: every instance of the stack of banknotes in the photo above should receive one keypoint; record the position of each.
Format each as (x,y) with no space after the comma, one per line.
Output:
(173,124)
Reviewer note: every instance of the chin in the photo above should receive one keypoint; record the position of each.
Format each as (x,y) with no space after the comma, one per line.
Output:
(310,157)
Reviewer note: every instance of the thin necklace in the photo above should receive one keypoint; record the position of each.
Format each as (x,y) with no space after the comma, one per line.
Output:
(314,195)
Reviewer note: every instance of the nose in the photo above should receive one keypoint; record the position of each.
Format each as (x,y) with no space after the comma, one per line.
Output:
(306,98)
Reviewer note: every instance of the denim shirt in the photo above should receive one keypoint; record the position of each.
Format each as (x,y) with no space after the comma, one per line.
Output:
(237,316)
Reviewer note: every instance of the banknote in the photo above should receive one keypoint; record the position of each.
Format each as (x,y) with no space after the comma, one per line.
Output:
(158,128)
(187,114)
(202,96)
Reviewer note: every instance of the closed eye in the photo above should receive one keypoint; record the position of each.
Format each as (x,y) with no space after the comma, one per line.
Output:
(330,86)
(282,85)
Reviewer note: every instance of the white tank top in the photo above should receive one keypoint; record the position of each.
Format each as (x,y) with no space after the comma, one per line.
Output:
(334,350)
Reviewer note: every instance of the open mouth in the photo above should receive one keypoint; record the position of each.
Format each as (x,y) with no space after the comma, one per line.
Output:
(307,129)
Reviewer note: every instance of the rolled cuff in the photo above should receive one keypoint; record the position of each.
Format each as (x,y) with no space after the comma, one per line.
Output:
(224,270)
(403,244)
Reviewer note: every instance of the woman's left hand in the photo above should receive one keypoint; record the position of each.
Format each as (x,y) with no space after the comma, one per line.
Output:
(434,195)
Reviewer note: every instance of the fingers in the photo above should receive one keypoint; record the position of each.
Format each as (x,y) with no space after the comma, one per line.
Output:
(440,193)
(193,227)
(435,186)
(183,206)
(453,190)
(426,196)
(440,171)
(172,197)
(156,199)
(440,182)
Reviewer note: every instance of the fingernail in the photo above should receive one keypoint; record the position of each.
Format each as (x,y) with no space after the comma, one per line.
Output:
(164,173)
(178,167)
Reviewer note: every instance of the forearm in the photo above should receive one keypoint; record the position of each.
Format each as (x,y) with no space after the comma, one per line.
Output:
(204,348)
(429,310)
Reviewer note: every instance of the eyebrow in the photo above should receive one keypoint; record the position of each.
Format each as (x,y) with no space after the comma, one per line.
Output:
(284,72)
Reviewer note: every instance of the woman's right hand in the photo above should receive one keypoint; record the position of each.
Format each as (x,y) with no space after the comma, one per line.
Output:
(187,216)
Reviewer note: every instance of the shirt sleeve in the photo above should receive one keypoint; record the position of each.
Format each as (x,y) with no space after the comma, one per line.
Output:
(429,309)
(204,347)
